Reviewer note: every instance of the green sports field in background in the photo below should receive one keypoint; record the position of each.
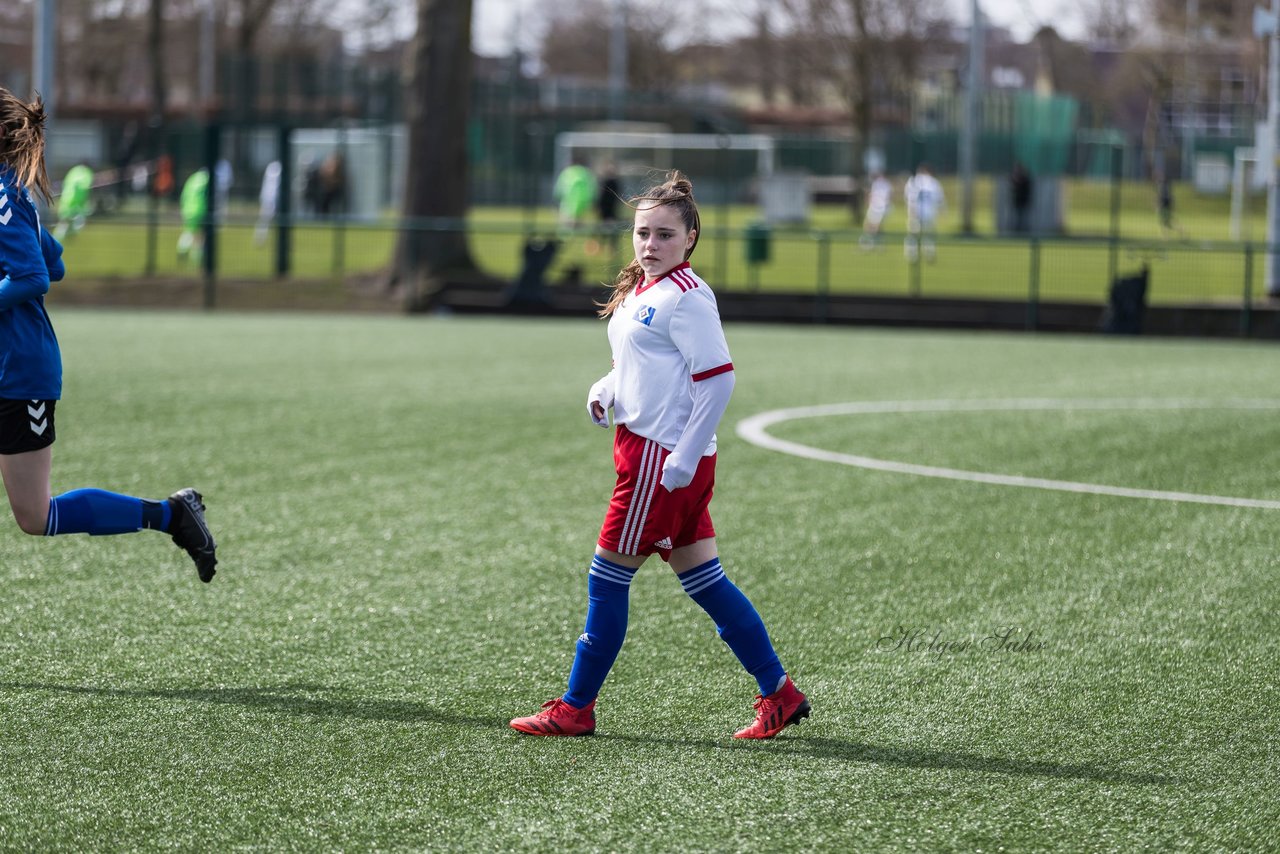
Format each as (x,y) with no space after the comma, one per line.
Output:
(1198,263)
(406,508)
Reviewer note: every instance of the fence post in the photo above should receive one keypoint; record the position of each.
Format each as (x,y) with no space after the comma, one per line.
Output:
(916,272)
(153,226)
(212,216)
(1246,307)
(284,202)
(1117,177)
(1033,292)
(339,233)
(824,276)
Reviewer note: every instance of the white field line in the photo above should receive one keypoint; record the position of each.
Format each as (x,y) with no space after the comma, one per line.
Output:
(755,430)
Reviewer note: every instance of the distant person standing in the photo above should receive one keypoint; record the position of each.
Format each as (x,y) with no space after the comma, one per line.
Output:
(1020,194)
(879,203)
(608,194)
(223,178)
(925,201)
(1164,200)
(268,200)
(575,191)
(193,205)
(332,198)
(73,204)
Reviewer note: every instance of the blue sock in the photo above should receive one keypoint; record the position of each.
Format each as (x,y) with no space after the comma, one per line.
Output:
(98,512)
(737,622)
(608,589)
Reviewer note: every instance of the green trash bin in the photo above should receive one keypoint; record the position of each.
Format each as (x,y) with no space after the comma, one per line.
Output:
(757,243)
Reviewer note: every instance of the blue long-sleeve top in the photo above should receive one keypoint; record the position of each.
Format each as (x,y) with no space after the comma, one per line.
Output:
(30,258)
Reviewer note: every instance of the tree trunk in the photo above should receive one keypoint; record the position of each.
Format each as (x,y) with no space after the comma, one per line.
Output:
(434,243)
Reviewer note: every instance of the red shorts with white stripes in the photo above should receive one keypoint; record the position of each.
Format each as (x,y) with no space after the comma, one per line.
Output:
(643,516)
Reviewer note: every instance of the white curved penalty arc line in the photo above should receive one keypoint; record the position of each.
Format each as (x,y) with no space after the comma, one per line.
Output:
(754,429)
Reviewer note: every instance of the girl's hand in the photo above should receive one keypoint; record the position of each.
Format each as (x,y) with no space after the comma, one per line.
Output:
(599,399)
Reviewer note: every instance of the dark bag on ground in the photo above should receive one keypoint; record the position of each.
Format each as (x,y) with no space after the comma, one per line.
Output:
(1127,305)
(530,289)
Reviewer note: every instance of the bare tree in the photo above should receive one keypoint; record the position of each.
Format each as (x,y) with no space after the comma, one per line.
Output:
(437,106)
(868,48)
(1111,21)
(575,42)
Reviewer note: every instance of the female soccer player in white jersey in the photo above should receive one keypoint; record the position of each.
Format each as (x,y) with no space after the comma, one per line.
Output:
(670,384)
(31,368)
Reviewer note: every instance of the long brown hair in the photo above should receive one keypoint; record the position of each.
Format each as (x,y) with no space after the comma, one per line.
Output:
(677,192)
(22,145)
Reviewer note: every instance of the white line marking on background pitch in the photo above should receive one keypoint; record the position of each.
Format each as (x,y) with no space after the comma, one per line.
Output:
(755,430)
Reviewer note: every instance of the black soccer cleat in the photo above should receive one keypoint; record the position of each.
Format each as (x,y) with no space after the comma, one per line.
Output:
(190,532)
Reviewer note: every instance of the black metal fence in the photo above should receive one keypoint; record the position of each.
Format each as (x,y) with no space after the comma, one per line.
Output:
(784,260)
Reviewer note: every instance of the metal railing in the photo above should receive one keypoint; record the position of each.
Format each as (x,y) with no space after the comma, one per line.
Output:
(787,259)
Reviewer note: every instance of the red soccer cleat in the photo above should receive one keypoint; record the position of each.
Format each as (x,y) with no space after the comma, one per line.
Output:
(559,718)
(779,710)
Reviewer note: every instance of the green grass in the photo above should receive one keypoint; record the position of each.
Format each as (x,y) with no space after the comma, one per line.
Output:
(406,506)
(1206,266)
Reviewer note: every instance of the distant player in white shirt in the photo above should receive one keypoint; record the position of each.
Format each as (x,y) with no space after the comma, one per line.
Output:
(268,200)
(925,202)
(671,381)
(879,203)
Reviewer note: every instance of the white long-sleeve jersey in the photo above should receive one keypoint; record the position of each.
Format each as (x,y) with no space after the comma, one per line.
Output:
(665,337)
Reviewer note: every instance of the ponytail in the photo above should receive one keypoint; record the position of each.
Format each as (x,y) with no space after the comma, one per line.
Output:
(22,143)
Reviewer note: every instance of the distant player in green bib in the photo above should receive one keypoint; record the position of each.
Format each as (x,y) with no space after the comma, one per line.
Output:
(575,190)
(193,204)
(73,204)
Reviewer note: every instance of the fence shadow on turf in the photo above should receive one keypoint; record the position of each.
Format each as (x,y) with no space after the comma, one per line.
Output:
(295,699)
(912,757)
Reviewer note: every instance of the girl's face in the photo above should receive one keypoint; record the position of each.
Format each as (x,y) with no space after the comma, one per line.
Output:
(660,238)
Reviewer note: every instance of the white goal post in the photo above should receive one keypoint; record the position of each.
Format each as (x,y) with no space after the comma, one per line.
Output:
(1240,187)
(783,196)
(662,146)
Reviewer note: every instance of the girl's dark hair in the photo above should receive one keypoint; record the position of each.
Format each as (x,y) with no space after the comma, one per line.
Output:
(22,144)
(676,192)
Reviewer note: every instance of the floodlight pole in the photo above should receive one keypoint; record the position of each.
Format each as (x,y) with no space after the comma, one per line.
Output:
(208,69)
(46,40)
(1273,118)
(618,61)
(968,137)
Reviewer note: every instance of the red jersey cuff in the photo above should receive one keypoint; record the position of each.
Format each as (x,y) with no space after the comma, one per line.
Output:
(714,372)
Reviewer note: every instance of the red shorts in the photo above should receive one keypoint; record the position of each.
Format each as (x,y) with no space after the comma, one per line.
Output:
(643,516)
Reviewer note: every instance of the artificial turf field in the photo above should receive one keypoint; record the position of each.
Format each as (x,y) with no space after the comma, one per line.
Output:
(406,508)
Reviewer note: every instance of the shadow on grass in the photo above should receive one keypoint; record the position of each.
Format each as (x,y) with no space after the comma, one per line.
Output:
(911,757)
(318,700)
(296,699)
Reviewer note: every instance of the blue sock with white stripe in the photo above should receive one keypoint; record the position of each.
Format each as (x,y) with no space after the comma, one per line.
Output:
(608,592)
(98,512)
(737,621)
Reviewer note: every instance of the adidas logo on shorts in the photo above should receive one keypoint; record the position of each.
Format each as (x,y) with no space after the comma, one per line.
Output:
(664,543)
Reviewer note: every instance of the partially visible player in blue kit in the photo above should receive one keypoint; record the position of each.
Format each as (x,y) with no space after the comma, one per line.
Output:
(31,368)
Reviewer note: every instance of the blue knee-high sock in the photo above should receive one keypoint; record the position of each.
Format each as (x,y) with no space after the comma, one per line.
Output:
(98,512)
(737,621)
(608,591)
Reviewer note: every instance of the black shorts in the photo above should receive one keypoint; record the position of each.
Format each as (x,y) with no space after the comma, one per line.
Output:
(26,425)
